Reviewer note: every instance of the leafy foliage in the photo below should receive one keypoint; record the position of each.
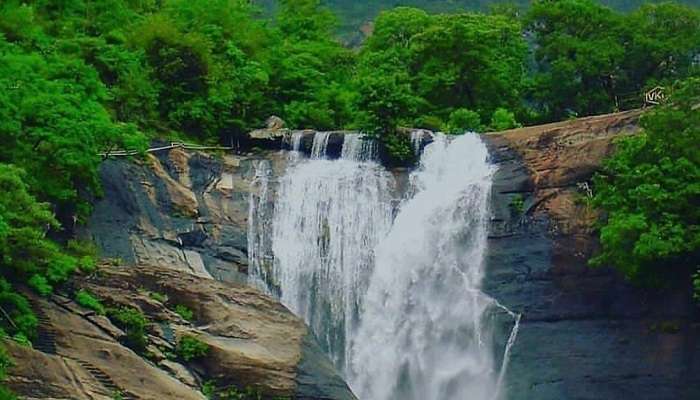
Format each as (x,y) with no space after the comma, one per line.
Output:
(133,322)
(6,363)
(464,120)
(191,348)
(650,190)
(503,119)
(27,254)
(87,300)
(591,59)
(184,312)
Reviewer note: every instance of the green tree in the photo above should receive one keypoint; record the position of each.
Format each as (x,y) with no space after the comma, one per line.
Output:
(649,191)
(463,120)
(664,44)
(456,61)
(470,61)
(579,54)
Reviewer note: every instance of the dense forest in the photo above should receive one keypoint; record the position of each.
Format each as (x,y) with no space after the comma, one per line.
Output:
(84,77)
(357,16)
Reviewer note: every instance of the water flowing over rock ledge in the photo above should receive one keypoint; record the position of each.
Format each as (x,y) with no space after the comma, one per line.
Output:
(181,218)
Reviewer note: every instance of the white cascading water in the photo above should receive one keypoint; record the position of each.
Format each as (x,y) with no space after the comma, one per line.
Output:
(421,335)
(328,217)
(397,304)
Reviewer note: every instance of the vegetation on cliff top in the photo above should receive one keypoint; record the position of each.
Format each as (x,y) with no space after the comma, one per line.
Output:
(650,191)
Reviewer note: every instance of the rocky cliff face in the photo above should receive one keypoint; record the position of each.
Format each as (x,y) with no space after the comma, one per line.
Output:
(585,333)
(175,225)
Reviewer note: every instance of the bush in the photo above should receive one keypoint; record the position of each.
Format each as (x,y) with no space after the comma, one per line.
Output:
(17,308)
(398,148)
(159,297)
(86,253)
(503,119)
(464,120)
(87,300)
(41,285)
(133,322)
(184,312)
(191,348)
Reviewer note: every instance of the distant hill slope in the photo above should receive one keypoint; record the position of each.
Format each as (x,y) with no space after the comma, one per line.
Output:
(353,14)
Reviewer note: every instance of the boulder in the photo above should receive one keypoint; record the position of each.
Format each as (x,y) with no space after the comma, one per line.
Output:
(275,123)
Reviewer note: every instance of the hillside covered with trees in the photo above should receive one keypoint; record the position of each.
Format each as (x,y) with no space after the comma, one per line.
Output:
(83,77)
(356,16)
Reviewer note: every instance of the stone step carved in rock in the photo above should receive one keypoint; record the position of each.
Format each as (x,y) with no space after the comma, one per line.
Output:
(104,379)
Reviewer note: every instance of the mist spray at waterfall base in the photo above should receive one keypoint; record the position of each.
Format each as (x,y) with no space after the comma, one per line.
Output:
(396,302)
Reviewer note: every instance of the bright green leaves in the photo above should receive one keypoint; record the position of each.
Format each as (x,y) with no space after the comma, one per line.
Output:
(650,190)
(593,60)
(27,254)
(54,123)
(448,62)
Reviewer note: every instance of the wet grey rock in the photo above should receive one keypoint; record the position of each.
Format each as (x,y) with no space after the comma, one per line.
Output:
(585,333)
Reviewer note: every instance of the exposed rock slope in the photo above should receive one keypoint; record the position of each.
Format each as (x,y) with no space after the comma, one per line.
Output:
(186,210)
(585,333)
(254,342)
(174,224)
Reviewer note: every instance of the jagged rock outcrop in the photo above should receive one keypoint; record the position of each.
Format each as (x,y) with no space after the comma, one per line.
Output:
(186,210)
(585,333)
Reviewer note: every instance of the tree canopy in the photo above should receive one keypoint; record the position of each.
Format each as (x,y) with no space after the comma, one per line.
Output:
(650,191)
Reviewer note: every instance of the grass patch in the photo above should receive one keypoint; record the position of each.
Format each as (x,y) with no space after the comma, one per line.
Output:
(517,204)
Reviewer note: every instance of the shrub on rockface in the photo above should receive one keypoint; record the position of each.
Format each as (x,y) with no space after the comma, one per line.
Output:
(650,191)
(87,300)
(133,322)
(191,348)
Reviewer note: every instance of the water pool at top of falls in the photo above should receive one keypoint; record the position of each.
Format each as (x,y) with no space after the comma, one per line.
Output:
(391,292)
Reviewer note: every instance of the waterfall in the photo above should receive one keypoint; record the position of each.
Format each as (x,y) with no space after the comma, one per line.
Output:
(395,301)
(328,217)
(421,336)
(358,148)
(416,140)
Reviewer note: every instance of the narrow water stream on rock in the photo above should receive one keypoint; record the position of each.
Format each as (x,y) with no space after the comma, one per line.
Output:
(391,292)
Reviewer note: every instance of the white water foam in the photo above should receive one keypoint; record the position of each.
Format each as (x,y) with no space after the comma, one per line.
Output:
(398,306)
